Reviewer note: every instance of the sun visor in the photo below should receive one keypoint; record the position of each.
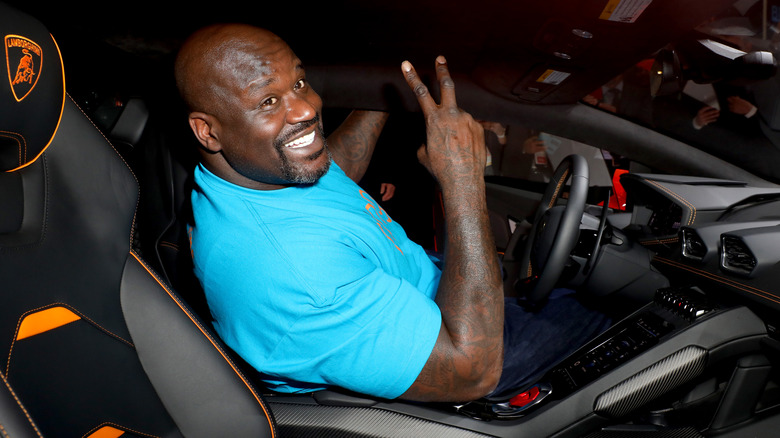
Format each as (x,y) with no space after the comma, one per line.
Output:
(32,90)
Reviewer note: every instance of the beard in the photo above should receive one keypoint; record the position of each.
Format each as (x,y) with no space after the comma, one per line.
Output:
(301,172)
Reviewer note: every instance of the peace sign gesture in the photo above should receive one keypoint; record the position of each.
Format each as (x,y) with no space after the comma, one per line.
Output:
(455,147)
(466,361)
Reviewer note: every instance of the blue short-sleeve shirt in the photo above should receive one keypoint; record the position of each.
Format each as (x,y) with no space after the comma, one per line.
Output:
(315,285)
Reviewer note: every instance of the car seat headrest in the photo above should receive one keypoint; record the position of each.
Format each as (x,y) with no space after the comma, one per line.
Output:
(131,123)
(32,92)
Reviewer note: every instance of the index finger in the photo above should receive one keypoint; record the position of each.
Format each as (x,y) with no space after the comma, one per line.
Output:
(420,90)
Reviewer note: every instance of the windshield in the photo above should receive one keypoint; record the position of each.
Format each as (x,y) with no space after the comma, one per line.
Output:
(519,153)
(716,89)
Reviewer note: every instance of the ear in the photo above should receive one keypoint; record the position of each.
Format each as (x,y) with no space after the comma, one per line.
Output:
(206,129)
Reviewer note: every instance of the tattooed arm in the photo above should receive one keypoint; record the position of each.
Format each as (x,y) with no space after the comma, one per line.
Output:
(352,143)
(467,359)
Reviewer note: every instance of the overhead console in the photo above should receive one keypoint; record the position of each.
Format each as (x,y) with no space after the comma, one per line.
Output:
(563,47)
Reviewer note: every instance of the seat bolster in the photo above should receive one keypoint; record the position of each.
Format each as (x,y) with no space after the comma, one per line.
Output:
(200,386)
(15,421)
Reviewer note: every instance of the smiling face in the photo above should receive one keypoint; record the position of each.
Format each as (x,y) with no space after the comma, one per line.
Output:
(260,123)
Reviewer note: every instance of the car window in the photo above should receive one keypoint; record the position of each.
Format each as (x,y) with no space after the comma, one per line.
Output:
(533,155)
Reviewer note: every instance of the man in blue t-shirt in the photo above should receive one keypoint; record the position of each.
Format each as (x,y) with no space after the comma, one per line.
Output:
(307,278)
(323,285)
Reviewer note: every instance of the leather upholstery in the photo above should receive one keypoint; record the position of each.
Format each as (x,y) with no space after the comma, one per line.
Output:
(91,340)
(14,419)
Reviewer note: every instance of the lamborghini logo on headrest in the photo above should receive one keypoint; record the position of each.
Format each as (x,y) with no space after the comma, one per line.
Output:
(23,62)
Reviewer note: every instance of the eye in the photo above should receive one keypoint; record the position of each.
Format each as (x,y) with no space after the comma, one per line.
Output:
(301,84)
(269,102)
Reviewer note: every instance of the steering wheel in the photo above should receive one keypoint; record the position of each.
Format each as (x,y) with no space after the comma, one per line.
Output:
(555,230)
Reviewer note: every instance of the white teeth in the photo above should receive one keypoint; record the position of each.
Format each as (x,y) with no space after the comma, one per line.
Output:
(302,141)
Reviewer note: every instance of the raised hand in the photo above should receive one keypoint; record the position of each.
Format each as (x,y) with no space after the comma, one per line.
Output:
(455,148)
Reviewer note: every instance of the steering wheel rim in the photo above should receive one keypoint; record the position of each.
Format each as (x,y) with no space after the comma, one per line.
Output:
(573,167)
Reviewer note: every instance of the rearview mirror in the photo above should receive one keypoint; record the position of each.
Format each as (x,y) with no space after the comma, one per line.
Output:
(707,61)
(666,74)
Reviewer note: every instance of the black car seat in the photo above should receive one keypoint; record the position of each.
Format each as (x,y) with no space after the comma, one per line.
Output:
(14,420)
(93,343)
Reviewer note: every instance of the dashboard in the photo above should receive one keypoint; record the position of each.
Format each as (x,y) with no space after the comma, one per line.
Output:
(720,235)
(665,218)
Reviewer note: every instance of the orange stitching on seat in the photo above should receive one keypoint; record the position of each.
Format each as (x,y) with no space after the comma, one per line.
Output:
(727,281)
(71,308)
(679,198)
(18,402)
(137,198)
(170,245)
(209,338)
(95,432)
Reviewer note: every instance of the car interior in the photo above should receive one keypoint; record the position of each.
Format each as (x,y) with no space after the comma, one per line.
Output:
(107,333)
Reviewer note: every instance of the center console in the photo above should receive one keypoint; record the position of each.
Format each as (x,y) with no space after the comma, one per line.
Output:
(672,311)
(667,343)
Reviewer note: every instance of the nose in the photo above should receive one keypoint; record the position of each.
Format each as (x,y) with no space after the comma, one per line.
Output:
(303,108)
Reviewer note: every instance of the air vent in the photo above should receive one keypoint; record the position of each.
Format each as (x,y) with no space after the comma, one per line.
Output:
(735,257)
(693,246)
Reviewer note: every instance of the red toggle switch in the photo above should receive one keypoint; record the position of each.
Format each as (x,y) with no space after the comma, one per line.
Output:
(524,398)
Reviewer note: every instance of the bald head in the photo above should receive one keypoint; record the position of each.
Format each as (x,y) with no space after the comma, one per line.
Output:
(251,107)
(215,58)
